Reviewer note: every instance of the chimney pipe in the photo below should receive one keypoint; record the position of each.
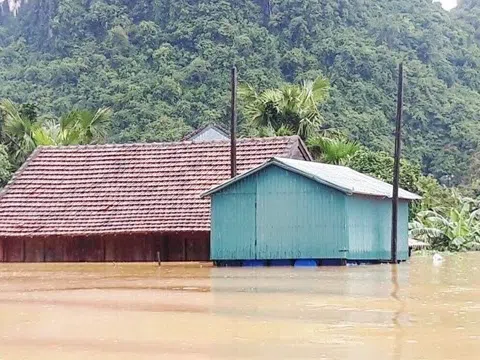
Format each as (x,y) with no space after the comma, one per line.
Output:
(233,125)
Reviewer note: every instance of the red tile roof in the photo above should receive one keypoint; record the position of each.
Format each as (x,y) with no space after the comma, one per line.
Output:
(98,189)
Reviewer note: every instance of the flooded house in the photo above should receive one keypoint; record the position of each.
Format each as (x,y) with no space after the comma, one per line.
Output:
(287,210)
(125,202)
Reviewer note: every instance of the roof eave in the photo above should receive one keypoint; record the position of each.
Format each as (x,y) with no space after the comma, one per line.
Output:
(20,170)
(304,149)
(412,198)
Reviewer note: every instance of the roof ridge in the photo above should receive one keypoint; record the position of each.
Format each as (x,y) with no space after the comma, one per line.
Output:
(295,165)
(292,138)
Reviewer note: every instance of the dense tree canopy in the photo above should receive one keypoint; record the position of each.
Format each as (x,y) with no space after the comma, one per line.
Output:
(5,166)
(380,165)
(163,65)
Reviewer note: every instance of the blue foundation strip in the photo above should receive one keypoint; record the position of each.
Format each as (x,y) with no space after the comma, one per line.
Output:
(305,263)
(254,263)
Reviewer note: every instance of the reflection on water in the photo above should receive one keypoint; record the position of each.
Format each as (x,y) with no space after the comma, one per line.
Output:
(104,311)
(398,313)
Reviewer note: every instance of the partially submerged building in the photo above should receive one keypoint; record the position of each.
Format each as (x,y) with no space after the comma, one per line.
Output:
(122,202)
(291,210)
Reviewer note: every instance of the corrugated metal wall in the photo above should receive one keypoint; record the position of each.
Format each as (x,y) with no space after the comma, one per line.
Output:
(402,233)
(233,222)
(276,214)
(369,228)
(298,218)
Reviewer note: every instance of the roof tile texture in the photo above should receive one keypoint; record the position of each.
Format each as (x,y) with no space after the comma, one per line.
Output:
(100,189)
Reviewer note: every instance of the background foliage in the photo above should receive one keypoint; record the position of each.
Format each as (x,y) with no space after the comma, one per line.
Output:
(5,166)
(380,165)
(163,66)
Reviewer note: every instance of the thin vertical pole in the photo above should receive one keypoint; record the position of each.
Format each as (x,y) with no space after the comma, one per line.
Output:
(233,125)
(396,165)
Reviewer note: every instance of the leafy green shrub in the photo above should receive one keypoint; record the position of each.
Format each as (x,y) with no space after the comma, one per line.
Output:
(5,166)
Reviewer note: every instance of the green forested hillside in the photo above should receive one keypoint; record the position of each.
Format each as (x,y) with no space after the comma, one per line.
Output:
(163,65)
(469,12)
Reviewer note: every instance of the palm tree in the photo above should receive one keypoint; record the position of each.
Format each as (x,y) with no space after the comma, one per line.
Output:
(47,134)
(24,133)
(18,130)
(331,150)
(92,126)
(80,127)
(292,106)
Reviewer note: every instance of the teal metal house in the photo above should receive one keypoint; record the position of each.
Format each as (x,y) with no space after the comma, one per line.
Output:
(288,210)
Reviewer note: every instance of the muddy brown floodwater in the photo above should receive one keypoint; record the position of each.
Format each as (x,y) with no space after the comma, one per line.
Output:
(104,311)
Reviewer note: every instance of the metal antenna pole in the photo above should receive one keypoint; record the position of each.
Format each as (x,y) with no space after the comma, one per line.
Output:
(233,125)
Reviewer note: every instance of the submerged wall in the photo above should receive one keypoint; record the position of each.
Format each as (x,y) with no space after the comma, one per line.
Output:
(277,214)
(180,246)
(370,228)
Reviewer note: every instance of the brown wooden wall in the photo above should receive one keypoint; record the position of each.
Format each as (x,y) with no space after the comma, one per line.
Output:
(183,246)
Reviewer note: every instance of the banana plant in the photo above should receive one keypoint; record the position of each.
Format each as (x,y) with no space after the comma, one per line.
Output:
(452,229)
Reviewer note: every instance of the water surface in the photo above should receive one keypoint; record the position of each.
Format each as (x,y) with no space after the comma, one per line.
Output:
(138,311)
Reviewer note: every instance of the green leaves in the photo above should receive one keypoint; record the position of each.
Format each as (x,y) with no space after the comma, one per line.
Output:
(76,127)
(316,91)
(18,131)
(449,227)
(23,132)
(380,165)
(93,126)
(332,150)
(170,60)
(5,166)
(292,106)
